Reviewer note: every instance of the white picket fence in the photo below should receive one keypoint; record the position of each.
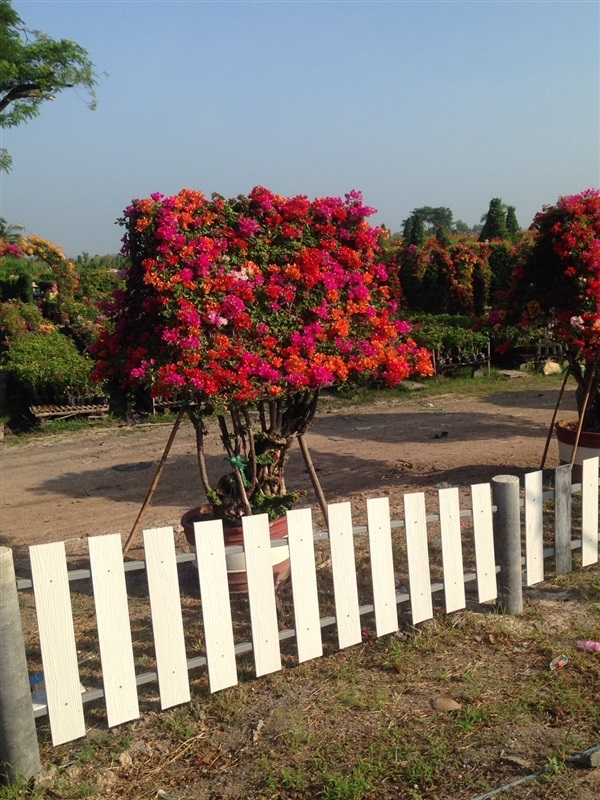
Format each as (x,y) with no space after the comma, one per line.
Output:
(51,586)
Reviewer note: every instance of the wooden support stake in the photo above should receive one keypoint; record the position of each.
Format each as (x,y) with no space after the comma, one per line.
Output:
(152,489)
(314,478)
(558,402)
(583,410)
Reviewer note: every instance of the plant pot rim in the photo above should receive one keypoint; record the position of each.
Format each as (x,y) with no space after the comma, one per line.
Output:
(277,527)
(569,426)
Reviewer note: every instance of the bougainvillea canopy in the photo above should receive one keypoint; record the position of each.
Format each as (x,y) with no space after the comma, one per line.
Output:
(230,301)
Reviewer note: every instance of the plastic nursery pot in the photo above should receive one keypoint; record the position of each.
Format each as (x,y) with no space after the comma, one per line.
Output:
(236,562)
(588,446)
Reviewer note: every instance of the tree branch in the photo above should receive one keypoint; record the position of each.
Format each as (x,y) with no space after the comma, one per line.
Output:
(21,92)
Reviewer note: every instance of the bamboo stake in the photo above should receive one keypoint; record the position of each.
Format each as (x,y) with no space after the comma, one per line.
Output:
(583,410)
(152,489)
(314,478)
(558,402)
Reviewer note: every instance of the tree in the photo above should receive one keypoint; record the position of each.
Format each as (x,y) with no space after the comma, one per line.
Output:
(461,227)
(512,226)
(10,233)
(414,229)
(494,222)
(34,68)
(427,221)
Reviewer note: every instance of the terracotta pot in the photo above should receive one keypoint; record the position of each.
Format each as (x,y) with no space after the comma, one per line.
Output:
(236,562)
(588,446)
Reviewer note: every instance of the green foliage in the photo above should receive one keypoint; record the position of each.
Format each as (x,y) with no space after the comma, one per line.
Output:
(449,335)
(15,279)
(414,230)
(48,366)
(503,260)
(17,317)
(494,222)
(427,221)
(512,225)
(35,68)
(10,233)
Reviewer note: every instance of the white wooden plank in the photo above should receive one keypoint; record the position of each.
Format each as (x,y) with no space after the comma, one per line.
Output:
(562,519)
(57,641)
(382,565)
(114,630)
(304,584)
(216,607)
(589,504)
(417,552)
(452,559)
(343,565)
(167,622)
(261,594)
(534,527)
(481,497)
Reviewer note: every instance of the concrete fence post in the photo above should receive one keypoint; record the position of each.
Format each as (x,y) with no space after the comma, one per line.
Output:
(19,750)
(507,542)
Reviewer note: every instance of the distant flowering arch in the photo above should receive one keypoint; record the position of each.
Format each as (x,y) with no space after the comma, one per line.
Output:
(230,301)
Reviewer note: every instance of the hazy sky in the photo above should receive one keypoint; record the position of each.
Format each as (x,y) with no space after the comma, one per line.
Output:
(413,103)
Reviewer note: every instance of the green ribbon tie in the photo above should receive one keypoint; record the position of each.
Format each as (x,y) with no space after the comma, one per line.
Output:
(239,463)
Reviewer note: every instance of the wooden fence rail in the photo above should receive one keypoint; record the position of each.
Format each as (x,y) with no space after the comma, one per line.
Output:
(51,587)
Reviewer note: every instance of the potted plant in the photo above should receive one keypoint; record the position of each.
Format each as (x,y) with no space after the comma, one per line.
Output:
(557,286)
(244,309)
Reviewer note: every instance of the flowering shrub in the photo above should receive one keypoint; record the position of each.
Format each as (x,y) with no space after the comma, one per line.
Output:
(61,268)
(557,286)
(446,278)
(257,299)
(234,300)
(17,318)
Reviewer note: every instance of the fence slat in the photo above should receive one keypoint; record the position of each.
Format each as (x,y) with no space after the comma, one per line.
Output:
(261,594)
(343,565)
(483,529)
(167,622)
(562,519)
(216,607)
(419,577)
(382,565)
(57,641)
(114,629)
(534,527)
(589,508)
(452,559)
(304,584)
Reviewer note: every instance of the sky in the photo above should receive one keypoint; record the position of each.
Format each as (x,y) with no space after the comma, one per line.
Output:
(412,103)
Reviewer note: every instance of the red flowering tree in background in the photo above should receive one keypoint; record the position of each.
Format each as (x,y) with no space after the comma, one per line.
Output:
(558,286)
(445,278)
(253,303)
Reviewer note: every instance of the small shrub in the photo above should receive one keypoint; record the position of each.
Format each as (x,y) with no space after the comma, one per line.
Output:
(449,335)
(48,367)
(17,318)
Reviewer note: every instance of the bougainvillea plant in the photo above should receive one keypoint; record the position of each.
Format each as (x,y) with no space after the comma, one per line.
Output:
(445,278)
(557,286)
(253,304)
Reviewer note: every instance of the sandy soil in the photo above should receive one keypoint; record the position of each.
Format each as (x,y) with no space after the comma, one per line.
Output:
(70,486)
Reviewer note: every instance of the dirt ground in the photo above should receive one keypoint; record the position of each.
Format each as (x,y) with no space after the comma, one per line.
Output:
(255,740)
(70,486)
